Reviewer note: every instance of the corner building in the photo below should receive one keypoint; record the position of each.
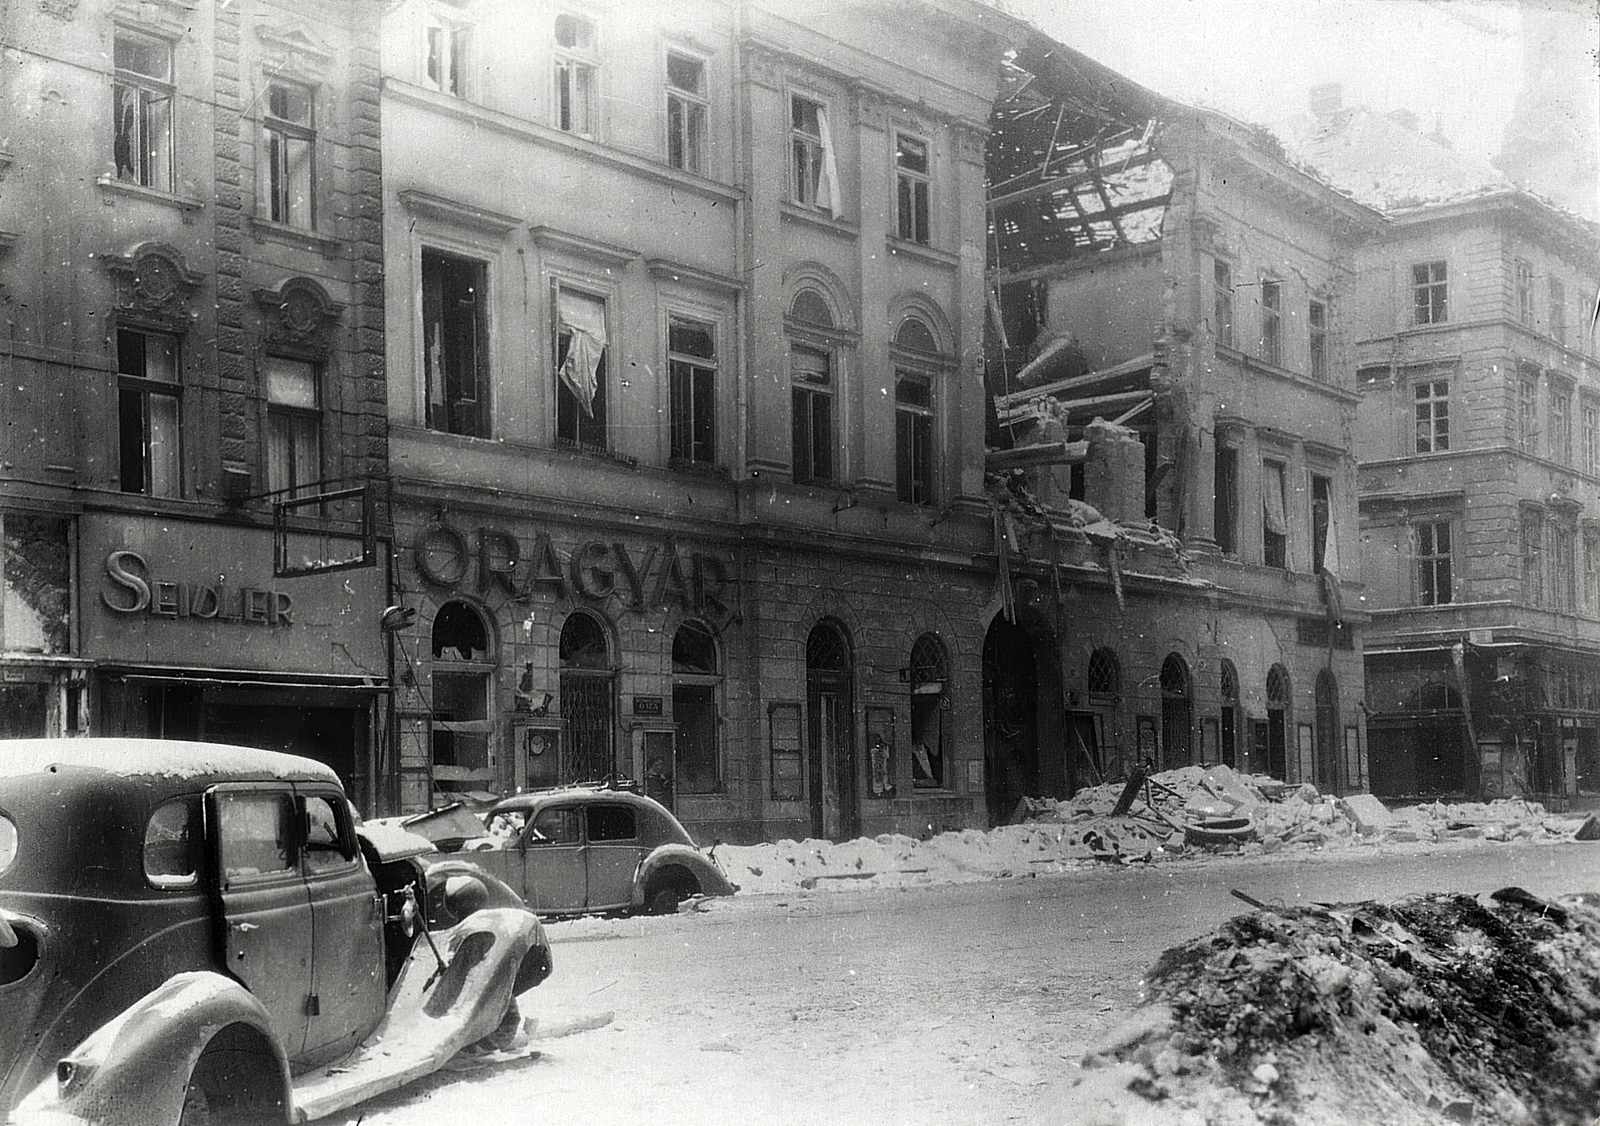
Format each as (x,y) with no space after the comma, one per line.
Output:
(684,327)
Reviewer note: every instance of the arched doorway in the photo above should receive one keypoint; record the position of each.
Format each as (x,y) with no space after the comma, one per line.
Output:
(1010,717)
(586,700)
(1327,732)
(1277,763)
(830,734)
(1230,715)
(1177,714)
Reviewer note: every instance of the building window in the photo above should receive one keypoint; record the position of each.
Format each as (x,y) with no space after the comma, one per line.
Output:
(1434,578)
(811,374)
(1430,293)
(461,682)
(1222,287)
(291,142)
(1524,285)
(1532,557)
(813,173)
(1177,713)
(915,347)
(1272,322)
(1591,570)
(911,188)
(577,75)
(1558,311)
(1433,416)
(148,399)
(1561,422)
(1105,674)
(1528,409)
(581,339)
(1225,500)
(588,691)
(447,54)
(1563,565)
(142,98)
(1274,508)
(930,703)
(692,373)
(1591,437)
(686,113)
(1321,523)
(1317,319)
(294,426)
(695,684)
(455,343)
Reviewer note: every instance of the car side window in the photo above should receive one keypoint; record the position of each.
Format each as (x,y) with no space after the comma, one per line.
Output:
(612,823)
(556,826)
(172,839)
(329,844)
(256,831)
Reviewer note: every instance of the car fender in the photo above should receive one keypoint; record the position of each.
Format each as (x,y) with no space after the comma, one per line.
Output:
(459,889)
(134,1070)
(692,860)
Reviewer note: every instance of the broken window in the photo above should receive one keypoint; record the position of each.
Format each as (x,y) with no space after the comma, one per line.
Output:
(142,98)
(1524,286)
(696,682)
(148,423)
(581,350)
(813,172)
(1561,421)
(1272,322)
(1317,322)
(1274,508)
(1435,582)
(692,374)
(686,113)
(1222,285)
(294,426)
(447,55)
(1225,503)
(455,343)
(1430,293)
(911,188)
(811,376)
(36,594)
(1432,415)
(930,702)
(290,144)
(461,681)
(576,75)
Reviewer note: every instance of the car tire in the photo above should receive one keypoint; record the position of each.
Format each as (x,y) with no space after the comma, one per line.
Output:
(664,901)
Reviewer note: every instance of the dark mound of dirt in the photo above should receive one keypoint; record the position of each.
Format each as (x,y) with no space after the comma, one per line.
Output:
(1433,1009)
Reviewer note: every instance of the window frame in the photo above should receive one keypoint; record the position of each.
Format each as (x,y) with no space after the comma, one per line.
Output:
(1271,303)
(482,416)
(913,198)
(681,367)
(710,683)
(1522,289)
(278,133)
(456,46)
(1531,537)
(1558,310)
(1434,566)
(300,420)
(1430,292)
(1526,417)
(1317,338)
(1275,545)
(915,476)
(1222,297)
(1589,414)
(806,176)
(145,386)
(1562,392)
(1437,421)
(814,394)
(1225,498)
(578,64)
(153,169)
(574,427)
(930,771)
(694,115)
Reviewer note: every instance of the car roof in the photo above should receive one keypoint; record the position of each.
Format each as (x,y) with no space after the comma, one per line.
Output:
(567,795)
(172,760)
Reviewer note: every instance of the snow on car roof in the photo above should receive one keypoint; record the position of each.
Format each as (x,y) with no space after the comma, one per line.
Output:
(165,758)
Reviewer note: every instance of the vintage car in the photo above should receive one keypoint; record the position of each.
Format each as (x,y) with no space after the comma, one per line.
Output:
(580,849)
(195,933)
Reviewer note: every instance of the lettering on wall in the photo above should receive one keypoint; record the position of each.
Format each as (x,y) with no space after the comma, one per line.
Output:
(134,589)
(657,575)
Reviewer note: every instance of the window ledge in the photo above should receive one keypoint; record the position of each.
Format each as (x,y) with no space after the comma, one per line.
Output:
(793,212)
(264,229)
(924,253)
(187,204)
(1262,367)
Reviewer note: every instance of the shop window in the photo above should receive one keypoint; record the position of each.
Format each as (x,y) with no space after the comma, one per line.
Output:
(1317,328)
(1105,674)
(148,414)
(930,704)
(687,113)
(142,97)
(1430,293)
(1272,322)
(461,684)
(1177,713)
(813,172)
(692,375)
(291,141)
(294,426)
(1225,499)
(1432,411)
(459,633)
(35,605)
(577,75)
(1435,563)
(1274,507)
(911,188)
(581,368)
(447,55)
(1222,290)
(587,681)
(696,684)
(455,343)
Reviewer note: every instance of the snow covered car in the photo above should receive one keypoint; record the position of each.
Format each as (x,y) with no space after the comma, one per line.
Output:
(194,933)
(581,849)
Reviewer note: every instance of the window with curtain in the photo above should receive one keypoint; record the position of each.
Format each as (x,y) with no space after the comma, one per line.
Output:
(294,426)
(581,339)
(148,414)
(1274,509)
(814,172)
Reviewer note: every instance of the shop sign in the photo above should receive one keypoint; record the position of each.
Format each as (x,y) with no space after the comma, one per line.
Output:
(134,590)
(656,575)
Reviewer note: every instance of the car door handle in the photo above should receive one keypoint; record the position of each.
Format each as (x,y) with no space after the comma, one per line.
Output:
(246,927)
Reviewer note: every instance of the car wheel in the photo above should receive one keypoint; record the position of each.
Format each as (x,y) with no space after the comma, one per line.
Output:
(664,901)
(232,1083)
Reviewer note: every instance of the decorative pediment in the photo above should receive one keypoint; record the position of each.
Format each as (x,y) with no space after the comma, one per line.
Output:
(170,17)
(294,47)
(299,315)
(154,284)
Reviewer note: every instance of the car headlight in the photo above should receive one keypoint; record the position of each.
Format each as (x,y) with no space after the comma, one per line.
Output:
(8,842)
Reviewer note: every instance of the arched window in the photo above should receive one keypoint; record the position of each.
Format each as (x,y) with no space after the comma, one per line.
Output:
(460,687)
(916,357)
(1177,713)
(929,702)
(812,308)
(812,387)
(696,684)
(1230,713)
(1278,696)
(586,699)
(1105,673)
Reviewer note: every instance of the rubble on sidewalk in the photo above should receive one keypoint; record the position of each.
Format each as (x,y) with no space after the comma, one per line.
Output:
(1434,1009)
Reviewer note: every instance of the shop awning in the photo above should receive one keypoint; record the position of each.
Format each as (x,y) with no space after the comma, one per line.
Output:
(247,678)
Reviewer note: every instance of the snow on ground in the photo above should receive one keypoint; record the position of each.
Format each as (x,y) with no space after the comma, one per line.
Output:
(1058,836)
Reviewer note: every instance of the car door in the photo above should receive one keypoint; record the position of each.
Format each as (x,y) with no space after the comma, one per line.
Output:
(613,854)
(555,872)
(347,979)
(265,913)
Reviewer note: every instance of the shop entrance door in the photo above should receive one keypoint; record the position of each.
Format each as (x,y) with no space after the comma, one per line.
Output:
(830,750)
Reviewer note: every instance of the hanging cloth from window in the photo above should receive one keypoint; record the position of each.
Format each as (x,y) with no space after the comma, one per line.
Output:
(828,184)
(1272,506)
(1331,593)
(584,318)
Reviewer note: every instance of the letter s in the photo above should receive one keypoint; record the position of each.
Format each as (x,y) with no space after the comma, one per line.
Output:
(118,572)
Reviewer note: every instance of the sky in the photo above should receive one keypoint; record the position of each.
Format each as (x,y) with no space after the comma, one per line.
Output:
(1457,64)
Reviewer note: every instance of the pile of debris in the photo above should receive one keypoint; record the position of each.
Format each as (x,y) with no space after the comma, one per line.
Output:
(1434,1009)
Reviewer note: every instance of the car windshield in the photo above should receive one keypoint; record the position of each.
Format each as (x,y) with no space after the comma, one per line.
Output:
(8,842)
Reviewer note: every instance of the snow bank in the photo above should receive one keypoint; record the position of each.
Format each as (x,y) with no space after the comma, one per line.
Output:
(1058,836)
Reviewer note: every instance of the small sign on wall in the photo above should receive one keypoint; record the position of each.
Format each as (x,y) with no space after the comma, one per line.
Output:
(647,705)
(974,776)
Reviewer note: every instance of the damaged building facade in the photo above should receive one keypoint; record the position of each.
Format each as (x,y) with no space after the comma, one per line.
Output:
(1171,442)
(189,340)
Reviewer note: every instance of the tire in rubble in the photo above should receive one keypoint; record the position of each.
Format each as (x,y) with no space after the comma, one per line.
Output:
(668,888)
(235,1082)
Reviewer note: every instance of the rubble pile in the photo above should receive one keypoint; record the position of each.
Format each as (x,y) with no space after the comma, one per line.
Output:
(1434,1009)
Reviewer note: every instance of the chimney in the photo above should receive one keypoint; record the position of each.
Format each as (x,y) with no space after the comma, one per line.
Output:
(1327,98)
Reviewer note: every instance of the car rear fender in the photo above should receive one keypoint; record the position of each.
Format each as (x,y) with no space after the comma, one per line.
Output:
(134,1070)
(706,874)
